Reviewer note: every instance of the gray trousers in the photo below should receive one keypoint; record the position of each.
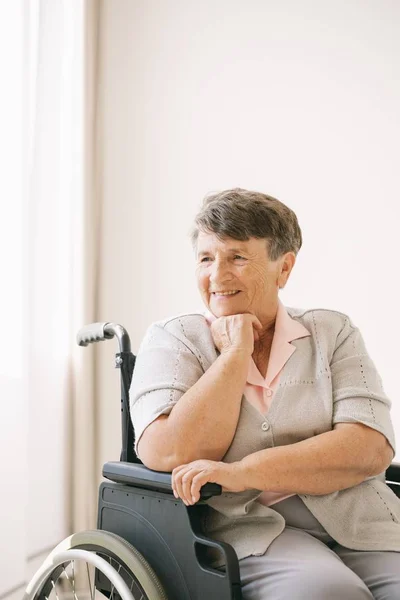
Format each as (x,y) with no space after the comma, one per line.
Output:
(305,563)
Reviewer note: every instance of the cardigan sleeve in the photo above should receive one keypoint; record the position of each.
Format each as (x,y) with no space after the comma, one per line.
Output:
(358,395)
(165,369)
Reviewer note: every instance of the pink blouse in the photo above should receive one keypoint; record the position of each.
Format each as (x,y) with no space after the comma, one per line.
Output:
(259,391)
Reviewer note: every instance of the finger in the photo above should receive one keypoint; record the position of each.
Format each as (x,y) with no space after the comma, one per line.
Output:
(176,480)
(187,485)
(257,323)
(180,483)
(197,483)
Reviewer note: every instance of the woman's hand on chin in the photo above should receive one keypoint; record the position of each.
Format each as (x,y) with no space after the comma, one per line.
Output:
(188,479)
(236,332)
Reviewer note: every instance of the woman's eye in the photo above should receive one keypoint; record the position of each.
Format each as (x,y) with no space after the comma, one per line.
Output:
(239,257)
(205,258)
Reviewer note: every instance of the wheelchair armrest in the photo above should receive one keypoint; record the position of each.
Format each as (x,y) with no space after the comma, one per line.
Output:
(140,476)
(393,472)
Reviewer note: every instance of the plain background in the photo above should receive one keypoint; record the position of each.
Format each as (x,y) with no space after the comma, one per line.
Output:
(296,99)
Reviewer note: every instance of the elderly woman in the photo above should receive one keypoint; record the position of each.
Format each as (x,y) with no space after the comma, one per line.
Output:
(281,406)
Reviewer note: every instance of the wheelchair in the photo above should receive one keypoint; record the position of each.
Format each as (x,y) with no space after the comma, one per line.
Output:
(148,544)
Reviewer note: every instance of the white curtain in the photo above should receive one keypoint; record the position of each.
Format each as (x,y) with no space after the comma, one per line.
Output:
(51,419)
(62,232)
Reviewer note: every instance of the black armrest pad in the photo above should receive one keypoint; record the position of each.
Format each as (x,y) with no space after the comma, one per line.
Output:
(140,476)
(393,472)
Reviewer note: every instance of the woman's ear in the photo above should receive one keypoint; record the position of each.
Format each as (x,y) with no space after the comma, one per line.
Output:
(286,266)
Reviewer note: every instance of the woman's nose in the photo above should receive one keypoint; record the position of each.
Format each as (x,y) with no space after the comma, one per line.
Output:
(219,272)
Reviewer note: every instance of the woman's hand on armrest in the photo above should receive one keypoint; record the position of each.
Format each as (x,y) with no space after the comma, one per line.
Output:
(188,479)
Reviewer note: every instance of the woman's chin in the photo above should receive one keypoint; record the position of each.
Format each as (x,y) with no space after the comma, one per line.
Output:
(224,306)
(224,311)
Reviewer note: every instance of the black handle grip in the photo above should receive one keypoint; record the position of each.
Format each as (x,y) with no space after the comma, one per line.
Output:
(95,332)
(393,472)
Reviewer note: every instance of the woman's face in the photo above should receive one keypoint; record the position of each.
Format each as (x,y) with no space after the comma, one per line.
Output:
(244,270)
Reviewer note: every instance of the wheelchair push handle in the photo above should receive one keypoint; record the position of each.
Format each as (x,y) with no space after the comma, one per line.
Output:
(98,332)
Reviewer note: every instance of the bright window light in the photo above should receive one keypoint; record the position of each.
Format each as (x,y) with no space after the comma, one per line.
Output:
(11,186)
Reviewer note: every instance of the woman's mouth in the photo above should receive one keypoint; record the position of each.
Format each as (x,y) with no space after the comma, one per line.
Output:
(223,295)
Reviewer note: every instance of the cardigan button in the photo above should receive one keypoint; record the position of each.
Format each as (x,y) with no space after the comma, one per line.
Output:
(265,426)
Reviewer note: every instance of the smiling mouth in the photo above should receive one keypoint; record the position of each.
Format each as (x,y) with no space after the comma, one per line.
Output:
(225,294)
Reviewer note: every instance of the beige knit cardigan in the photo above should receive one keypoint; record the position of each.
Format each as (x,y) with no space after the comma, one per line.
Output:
(329,379)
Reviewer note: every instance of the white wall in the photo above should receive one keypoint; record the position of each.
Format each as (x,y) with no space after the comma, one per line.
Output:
(298,99)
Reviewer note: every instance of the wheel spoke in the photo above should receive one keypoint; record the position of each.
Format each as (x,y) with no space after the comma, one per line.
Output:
(90,583)
(112,589)
(71,583)
(55,589)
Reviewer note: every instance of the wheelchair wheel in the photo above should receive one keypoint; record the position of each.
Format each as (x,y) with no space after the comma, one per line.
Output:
(95,565)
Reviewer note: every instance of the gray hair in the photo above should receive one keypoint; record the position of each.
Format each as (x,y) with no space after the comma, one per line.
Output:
(242,214)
